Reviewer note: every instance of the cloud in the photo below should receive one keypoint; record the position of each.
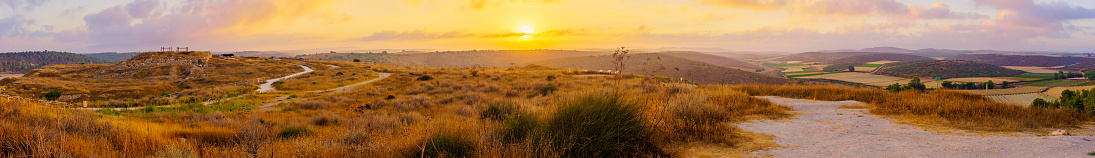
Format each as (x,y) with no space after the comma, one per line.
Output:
(23,4)
(940,10)
(486,4)
(420,34)
(1026,19)
(146,22)
(814,9)
(14,26)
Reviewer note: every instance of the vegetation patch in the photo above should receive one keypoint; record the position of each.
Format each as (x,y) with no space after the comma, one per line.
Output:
(782,65)
(1035,76)
(600,125)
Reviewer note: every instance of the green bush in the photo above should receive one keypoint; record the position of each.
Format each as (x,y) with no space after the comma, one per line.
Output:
(294,132)
(425,78)
(498,111)
(600,125)
(517,128)
(550,77)
(448,144)
(52,95)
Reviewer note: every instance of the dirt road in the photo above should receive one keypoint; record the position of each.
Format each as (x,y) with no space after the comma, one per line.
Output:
(823,130)
(269,85)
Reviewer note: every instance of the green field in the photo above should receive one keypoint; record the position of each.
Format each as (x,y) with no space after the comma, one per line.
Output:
(1035,76)
(798,72)
(871,65)
(793,76)
(781,65)
(1060,83)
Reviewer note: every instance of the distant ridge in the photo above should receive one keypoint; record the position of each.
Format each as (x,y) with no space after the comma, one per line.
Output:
(23,62)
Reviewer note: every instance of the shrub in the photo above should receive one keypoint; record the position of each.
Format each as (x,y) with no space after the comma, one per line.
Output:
(498,111)
(327,118)
(447,144)
(413,102)
(52,95)
(294,132)
(425,78)
(550,77)
(599,125)
(517,128)
(547,89)
(315,105)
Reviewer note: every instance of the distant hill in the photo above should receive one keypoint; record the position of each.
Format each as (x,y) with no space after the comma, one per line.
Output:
(113,56)
(674,67)
(880,57)
(713,59)
(484,58)
(819,56)
(1020,60)
(23,62)
(945,69)
(844,63)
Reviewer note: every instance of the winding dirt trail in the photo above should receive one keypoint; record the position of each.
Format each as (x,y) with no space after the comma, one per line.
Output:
(823,130)
(270,106)
(269,85)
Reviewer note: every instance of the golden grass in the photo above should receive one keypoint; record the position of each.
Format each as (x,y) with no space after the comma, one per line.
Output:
(395,116)
(937,108)
(327,77)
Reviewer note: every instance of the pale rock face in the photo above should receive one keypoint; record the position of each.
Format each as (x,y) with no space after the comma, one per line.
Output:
(1058,133)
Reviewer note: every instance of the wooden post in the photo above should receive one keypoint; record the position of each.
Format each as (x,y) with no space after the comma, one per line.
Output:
(85,104)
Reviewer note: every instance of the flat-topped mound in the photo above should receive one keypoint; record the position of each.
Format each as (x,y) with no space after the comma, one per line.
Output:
(945,69)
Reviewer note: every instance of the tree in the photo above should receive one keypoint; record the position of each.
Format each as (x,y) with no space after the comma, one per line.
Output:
(947,84)
(915,84)
(357,60)
(1089,75)
(851,68)
(1005,85)
(990,85)
(895,87)
(332,52)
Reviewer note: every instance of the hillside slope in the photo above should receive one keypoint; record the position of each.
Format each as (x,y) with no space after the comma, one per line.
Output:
(23,62)
(1020,60)
(113,56)
(673,67)
(844,63)
(945,69)
(819,57)
(150,76)
(482,58)
(713,59)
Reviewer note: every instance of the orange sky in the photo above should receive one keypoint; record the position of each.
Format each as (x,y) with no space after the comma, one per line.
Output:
(744,25)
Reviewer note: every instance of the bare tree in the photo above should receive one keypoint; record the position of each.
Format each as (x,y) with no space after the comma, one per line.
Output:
(252,136)
(620,59)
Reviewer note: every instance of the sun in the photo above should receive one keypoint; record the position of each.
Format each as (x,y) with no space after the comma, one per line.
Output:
(527,30)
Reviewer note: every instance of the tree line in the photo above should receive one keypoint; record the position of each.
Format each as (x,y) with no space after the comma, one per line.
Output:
(22,62)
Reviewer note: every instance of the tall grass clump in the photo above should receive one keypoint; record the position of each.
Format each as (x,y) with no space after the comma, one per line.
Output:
(517,128)
(600,125)
(315,105)
(498,111)
(443,144)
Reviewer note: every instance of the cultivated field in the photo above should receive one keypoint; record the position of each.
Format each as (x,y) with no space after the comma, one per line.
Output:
(1033,69)
(1055,92)
(996,80)
(857,77)
(1017,90)
(1020,99)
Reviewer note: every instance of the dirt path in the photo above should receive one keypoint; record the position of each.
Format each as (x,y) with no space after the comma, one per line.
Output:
(823,130)
(269,85)
(270,106)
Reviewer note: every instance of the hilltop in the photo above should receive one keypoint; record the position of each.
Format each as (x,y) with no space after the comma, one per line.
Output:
(712,59)
(1020,60)
(23,62)
(944,69)
(674,67)
(148,77)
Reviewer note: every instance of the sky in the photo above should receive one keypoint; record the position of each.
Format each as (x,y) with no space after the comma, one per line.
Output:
(89,26)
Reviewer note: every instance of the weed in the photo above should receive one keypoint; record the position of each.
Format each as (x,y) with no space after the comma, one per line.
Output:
(443,144)
(425,78)
(327,118)
(294,132)
(498,111)
(315,105)
(599,125)
(518,127)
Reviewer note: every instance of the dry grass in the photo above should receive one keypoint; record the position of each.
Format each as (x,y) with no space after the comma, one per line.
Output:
(403,114)
(937,108)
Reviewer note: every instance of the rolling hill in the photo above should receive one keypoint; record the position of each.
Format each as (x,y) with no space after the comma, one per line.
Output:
(23,62)
(944,69)
(1020,60)
(713,59)
(113,56)
(675,67)
(481,58)
(843,63)
(819,56)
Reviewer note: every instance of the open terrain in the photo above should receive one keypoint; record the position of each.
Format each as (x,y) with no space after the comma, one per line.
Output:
(825,128)
(945,69)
